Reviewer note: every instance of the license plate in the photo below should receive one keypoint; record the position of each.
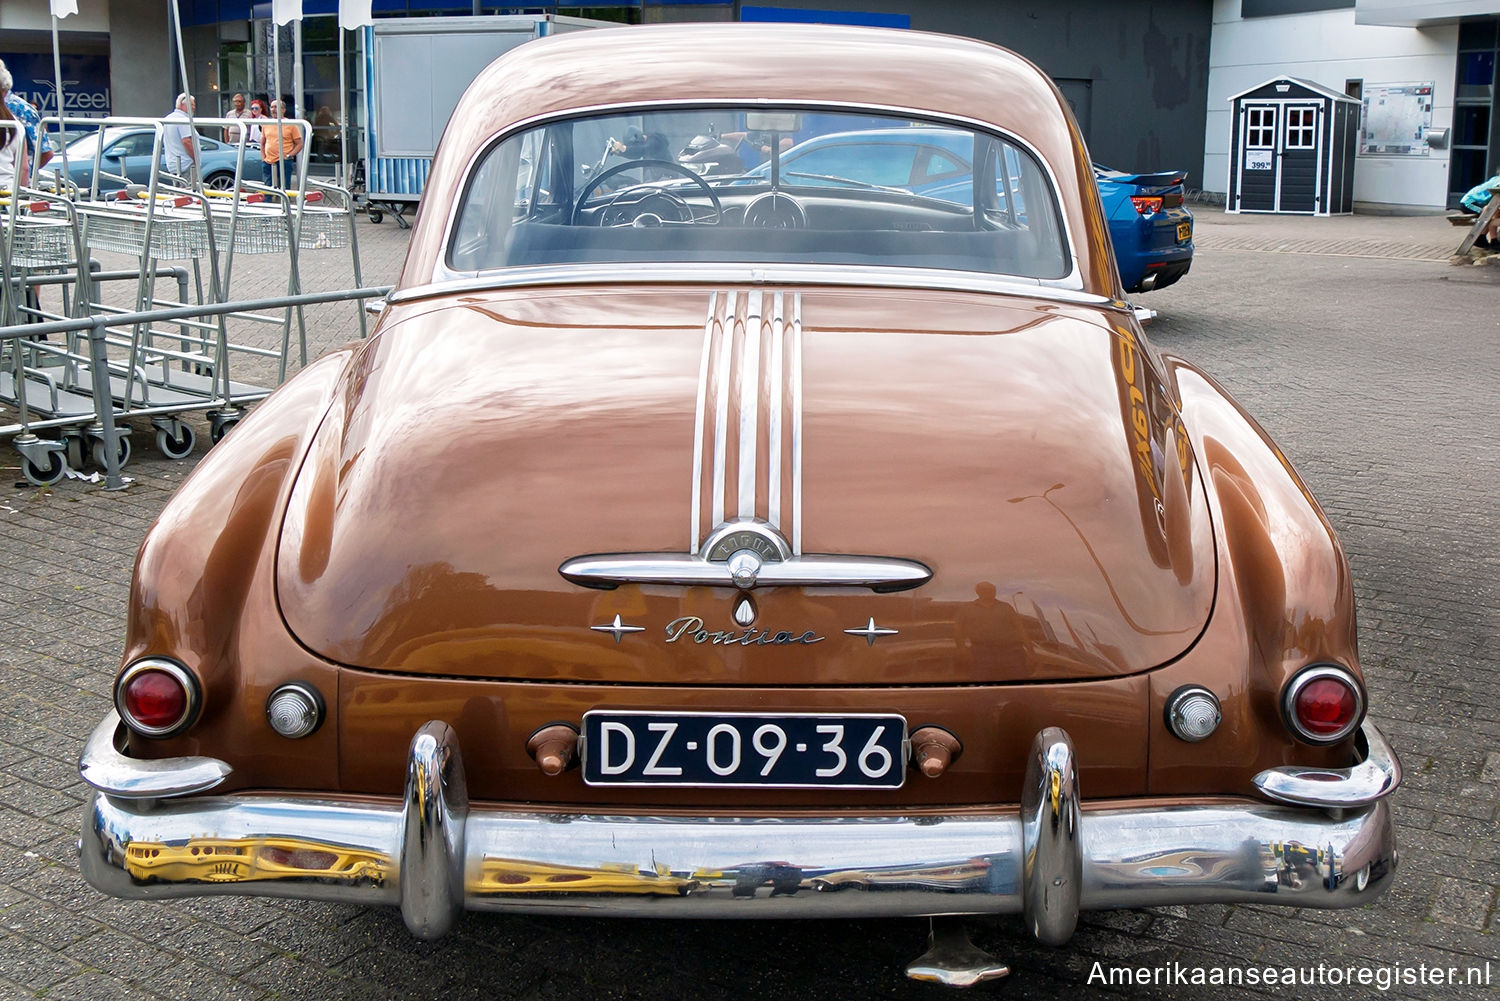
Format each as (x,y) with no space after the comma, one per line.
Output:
(760,750)
(1184,232)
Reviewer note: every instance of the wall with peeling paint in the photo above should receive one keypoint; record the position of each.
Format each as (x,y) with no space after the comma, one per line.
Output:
(1329,48)
(1135,71)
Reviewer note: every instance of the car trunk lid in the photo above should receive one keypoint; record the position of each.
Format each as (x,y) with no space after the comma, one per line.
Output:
(1019,450)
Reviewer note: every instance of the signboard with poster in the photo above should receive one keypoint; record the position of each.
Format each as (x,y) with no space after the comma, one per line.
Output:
(85,82)
(1395,116)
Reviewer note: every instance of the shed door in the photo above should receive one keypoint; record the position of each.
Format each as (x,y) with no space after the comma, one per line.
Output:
(1258,135)
(1301,149)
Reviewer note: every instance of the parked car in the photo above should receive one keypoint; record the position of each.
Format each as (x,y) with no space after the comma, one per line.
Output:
(1151,229)
(800,549)
(128,153)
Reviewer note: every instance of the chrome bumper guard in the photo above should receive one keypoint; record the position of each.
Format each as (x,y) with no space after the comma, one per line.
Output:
(434,855)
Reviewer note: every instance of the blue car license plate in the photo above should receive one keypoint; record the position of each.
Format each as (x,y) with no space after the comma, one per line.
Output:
(763,750)
(1184,232)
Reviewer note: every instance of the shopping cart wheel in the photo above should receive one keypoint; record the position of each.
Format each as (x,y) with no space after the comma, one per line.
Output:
(98,454)
(47,475)
(218,428)
(76,448)
(376,217)
(176,442)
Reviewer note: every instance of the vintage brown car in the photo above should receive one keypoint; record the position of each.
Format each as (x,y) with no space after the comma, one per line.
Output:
(773,543)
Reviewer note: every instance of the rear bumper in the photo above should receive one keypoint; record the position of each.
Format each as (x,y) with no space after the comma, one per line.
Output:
(434,855)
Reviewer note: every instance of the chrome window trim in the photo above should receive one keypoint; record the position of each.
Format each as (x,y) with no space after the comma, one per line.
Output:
(756,274)
(441,273)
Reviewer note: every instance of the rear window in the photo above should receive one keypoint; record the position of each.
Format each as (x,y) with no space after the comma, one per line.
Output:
(760,186)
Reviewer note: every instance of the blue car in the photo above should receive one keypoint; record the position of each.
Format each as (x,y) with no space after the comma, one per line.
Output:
(1151,229)
(127,151)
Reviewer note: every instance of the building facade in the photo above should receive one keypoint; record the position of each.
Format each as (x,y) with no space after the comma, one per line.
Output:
(1149,80)
(1424,71)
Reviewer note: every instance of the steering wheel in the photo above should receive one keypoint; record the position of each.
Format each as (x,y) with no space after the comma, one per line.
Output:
(615,206)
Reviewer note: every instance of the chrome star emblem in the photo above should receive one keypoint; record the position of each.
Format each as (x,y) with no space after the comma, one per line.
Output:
(871,632)
(618,629)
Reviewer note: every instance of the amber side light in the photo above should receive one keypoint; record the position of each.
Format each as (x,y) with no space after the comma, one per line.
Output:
(157,697)
(1323,704)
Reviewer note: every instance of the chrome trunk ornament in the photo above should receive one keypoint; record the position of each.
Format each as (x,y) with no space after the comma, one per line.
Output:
(745,555)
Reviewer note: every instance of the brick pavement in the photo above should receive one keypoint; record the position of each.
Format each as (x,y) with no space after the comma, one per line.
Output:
(1378,377)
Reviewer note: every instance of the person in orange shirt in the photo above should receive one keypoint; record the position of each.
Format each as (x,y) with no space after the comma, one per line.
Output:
(279,145)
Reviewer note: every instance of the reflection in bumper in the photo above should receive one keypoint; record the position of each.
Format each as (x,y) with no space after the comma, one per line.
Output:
(434,855)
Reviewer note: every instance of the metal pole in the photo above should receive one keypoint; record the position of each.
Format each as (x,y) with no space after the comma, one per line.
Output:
(188,90)
(344,123)
(298,99)
(104,405)
(275,103)
(61,131)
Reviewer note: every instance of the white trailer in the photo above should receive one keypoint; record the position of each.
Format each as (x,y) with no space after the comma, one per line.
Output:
(415,71)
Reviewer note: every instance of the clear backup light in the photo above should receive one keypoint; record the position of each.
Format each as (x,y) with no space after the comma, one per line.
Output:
(157,697)
(295,710)
(1193,713)
(1323,704)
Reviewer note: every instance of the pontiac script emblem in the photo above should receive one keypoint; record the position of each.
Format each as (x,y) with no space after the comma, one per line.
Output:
(690,627)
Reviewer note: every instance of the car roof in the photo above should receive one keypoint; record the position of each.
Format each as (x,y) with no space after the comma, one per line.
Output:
(794,64)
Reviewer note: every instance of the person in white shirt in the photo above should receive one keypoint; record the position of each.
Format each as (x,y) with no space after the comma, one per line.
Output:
(180,145)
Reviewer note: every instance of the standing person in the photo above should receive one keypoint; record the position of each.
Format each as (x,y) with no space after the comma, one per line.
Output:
(237,109)
(257,112)
(12,139)
(280,144)
(37,141)
(179,143)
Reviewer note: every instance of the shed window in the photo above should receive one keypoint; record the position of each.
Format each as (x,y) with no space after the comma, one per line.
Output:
(1300,128)
(1261,128)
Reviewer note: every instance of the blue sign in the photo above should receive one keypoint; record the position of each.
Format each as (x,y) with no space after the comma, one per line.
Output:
(797,15)
(85,81)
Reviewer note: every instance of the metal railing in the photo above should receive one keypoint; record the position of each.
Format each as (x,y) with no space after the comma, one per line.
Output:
(95,329)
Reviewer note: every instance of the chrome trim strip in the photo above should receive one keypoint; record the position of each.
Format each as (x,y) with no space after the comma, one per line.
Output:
(796,348)
(708,343)
(1374,778)
(756,274)
(774,408)
(879,573)
(1051,838)
(721,409)
(526,861)
(749,404)
(1074,278)
(104,766)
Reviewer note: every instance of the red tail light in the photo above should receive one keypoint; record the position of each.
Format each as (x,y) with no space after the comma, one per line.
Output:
(157,698)
(1323,704)
(1146,205)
